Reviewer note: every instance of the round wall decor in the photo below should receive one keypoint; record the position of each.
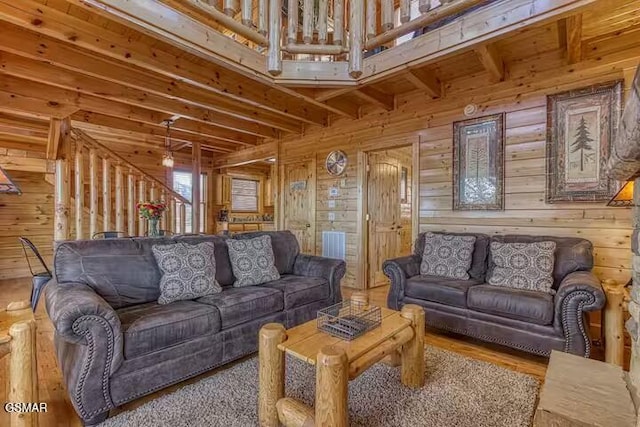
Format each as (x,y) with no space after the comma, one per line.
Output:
(336,163)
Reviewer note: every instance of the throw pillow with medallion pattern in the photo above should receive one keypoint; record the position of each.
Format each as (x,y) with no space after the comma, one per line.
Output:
(447,255)
(252,261)
(523,265)
(188,271)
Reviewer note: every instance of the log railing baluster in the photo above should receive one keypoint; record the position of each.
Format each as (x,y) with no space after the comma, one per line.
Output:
(323,15)
(93,192)
(338,22)
(131,204)
(106,194)
(119,199)
(356,21)
(142,194)
(263,17)
(387,15)
(79,189)
(405,11)
(307,21)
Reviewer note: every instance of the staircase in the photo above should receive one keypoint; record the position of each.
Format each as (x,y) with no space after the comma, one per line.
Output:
(96,190)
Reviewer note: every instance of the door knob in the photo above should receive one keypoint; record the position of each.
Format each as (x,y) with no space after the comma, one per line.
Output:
(308,225)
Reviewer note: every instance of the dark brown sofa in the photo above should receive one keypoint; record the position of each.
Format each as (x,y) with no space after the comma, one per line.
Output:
(115,343)
(531,321)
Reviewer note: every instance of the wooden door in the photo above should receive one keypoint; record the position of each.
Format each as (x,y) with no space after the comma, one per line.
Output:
(299,203)
(383,200)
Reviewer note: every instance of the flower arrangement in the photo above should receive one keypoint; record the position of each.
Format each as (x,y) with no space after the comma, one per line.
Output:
(151,210)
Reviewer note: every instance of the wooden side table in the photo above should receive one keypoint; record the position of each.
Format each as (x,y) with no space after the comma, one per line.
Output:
(337,362)
(18,339)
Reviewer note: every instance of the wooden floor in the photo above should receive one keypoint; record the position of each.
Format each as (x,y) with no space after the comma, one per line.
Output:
(61,413)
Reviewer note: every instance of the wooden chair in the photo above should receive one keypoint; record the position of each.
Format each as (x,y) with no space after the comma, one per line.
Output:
(39,279)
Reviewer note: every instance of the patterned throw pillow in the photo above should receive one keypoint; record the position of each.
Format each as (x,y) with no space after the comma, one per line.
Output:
(523,265)
(188,271)
(447,255)
(252,261)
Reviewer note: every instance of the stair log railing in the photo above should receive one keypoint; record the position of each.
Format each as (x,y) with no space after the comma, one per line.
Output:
(119,213)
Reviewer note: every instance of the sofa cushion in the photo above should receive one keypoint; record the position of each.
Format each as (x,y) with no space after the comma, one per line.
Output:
(300,290)
(240,305)
(523,265)
(572,253)
(252,261)
(439,289)
(188,271)
(151,327)
(447,255)
(518,304)
(478,268)
(285,247)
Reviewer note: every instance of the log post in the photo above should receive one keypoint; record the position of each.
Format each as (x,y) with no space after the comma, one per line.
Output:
(307,21)
(247,12)
(338,22)
(424,6)
(93,192)
(61,230)
(230,7)
(131,204)
(79,190)
(271,375)
(413,351)
(323,16)
(183,218)
(196,196)
(142,191)
(119,199)
(292,22)
(172,216)
(332,381)
(106,194)
(614,322)
(387,15)
(405,11)
(263,17)
(356,20)
(23,375)
(274,61)
(293,413)
(371,18)
(163,218)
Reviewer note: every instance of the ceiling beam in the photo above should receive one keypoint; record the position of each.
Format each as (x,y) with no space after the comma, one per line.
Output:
(347,107)
(573,37)
(243,90)
(376,97)
(44,72)
(491,61)
(424,80)
(247,155)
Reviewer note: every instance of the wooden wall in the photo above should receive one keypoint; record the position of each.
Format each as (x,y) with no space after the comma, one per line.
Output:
(418,118)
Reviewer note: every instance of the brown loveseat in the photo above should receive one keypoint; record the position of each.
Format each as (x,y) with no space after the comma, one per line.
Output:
(531,321)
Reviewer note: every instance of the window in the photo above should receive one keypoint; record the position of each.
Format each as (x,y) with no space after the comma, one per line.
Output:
(182,185)
(244,195)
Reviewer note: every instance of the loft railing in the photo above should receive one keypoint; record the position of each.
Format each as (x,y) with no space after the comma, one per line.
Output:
(334,30)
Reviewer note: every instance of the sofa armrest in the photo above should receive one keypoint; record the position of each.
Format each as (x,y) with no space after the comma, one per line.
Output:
(398,270)
(88,342)
(578,293)
(331,269)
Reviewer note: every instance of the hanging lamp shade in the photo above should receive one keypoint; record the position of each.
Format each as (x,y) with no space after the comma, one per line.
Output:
(624,197)
(6,184)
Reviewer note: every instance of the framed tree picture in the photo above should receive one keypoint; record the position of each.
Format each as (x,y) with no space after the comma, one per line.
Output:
(581,125)
(478,163)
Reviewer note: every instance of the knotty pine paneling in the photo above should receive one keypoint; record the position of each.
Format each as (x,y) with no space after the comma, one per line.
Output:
(417,118)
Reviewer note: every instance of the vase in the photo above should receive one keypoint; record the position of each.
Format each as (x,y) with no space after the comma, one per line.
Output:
(154,231)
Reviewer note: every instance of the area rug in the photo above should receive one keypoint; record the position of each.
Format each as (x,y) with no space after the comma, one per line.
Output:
(459,392)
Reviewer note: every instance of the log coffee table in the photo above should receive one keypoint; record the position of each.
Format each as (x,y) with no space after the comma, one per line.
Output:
(400,337)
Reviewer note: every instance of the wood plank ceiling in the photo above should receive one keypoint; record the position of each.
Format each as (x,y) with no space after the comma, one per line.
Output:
(58,59)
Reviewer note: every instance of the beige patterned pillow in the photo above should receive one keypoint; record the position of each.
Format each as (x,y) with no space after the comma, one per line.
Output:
(447,255)
(188,271)
(523,265)
(252,261)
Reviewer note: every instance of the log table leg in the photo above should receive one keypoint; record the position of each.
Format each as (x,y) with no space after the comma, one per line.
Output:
(614,323)
(332,380)
(23,376)
(413,352)
(271,377)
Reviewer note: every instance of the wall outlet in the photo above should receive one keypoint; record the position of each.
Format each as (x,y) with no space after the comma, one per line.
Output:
(332,204)
(333,192)
(332,216)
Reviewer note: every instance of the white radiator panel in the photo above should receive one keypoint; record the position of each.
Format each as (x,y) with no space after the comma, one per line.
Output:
(334,244)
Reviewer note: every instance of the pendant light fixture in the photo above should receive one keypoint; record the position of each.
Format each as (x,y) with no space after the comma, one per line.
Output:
(167,157)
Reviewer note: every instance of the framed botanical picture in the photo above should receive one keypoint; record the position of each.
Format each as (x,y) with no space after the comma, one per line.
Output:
(581,125)
(478,163)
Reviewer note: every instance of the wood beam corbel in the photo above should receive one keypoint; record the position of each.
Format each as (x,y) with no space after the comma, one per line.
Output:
(376,97)
(574,38)
(492,61)
(425,81)
(58,128)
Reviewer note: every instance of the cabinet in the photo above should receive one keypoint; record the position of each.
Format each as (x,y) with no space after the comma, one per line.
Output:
(240,227)
(223,190)
(269,190)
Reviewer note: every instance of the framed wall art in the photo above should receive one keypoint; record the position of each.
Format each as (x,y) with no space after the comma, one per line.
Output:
(581,125)
(478,163)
